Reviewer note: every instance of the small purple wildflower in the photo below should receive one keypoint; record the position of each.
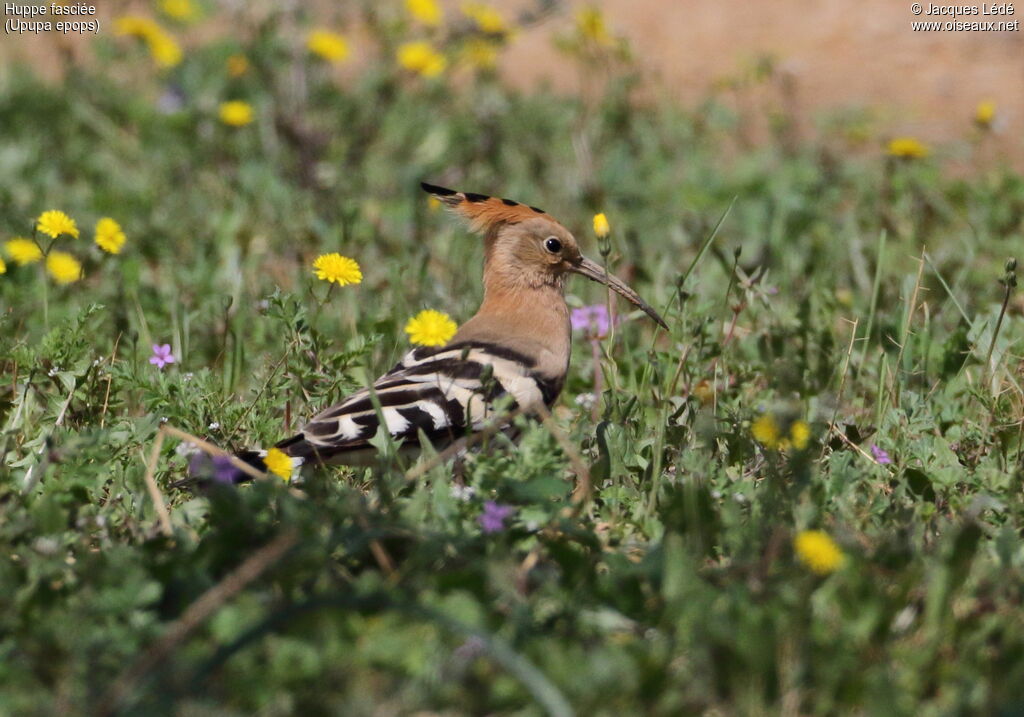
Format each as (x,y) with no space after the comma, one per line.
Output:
(492,520)
(880,454)
(592,319)
(161,355)
(171,101)
(224,470)
(219,468)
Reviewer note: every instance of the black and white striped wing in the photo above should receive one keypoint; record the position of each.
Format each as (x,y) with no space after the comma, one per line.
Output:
(445,392)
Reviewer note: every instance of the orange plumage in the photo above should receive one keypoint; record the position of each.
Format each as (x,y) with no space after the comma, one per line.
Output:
(486,214)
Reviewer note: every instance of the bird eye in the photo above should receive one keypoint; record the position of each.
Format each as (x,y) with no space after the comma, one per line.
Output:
(552,245)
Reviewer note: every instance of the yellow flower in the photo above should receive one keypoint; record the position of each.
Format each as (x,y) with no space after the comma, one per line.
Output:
(164,50)
(338,269)
(601,226)
(486,17)
(431,328)
(433,203)
(817,550)
(23,251)
(162,47)
(278,463)
(109,236)
(985,113)
(421,57)
(426,11)
(64,268)
(907,148)
(54,223)
(329,45)
(3,267)
(134,25)
(481,53)
(800,434)
(236,113)
(237,65)
(591,26)
(178,9)
(766,431)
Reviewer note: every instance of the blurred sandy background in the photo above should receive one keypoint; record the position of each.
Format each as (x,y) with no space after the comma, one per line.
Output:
(831,56)
(834,54)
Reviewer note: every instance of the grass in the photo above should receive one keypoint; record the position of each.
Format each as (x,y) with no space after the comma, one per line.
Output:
(818,282)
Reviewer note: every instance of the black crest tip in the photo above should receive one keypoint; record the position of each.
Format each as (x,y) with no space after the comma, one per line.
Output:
(439,191)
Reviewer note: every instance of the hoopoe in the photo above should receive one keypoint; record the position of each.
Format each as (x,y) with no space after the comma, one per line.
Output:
(515,348)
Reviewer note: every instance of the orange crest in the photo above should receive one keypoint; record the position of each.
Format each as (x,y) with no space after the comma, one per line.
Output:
(484,212)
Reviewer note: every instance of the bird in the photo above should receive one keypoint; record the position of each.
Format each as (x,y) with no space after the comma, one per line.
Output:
(512,355)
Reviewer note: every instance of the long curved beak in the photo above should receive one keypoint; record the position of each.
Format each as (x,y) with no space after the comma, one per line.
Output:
(595,271)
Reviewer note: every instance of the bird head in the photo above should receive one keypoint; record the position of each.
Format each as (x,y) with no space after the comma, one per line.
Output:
(527,248)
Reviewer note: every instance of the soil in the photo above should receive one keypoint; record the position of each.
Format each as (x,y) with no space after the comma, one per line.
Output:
(833,55)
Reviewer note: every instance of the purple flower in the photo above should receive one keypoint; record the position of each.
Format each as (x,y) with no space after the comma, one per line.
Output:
(219,468)
(161,355)
(880,454)
(592,319)
(171,101)
(492,520)
(224,470)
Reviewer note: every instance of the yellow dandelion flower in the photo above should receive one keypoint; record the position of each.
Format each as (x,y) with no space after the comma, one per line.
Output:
(800,434)
(23,251)
(486,17)
(421,57)
(64,268)
(816,550)
(766,432)
(54,223)
(109,236)
(426,11)
(183,10)
(164,50)
(985,113)
(601,225)
(3,267)
(431,328)
(135,26)
(591,26)
(329,45)
(338,269)
(237,65)
(278,463)
(480,53)
(907,148)
(236,113)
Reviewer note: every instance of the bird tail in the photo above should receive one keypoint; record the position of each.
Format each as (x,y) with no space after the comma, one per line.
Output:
(254,459)
(204,469)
